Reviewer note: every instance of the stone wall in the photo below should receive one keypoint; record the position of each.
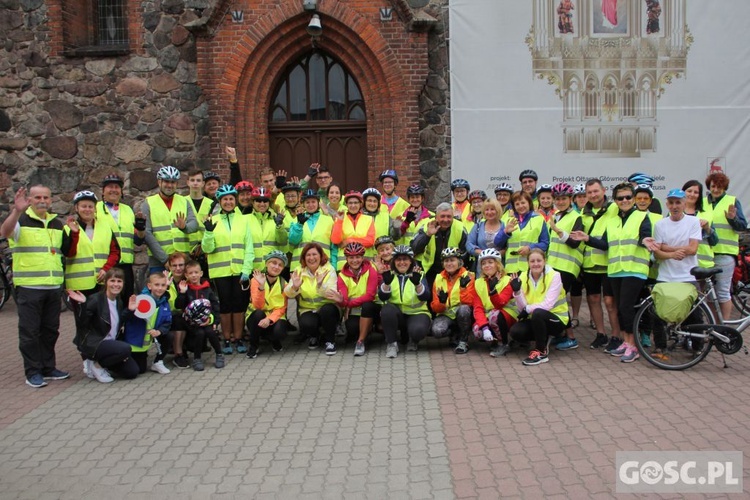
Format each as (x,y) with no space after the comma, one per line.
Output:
(68,121)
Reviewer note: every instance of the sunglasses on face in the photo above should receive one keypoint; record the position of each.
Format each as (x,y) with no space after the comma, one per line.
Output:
(626,197)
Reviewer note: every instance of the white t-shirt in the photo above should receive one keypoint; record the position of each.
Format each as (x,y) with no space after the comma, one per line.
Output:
(677,234)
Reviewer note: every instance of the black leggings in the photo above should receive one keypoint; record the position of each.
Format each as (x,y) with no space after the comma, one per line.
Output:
(413,326)
(327,316)
(198,336)
(232,299)
(274,333)
(541,325)
(115,356)
(369,310)
(141,357)
(626,292)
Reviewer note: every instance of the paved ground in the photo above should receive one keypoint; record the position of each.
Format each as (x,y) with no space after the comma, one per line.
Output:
(302,425)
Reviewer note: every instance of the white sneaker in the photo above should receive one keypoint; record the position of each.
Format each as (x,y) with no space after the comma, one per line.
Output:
(87,363)
(391,350)
(100,374)
(159,367)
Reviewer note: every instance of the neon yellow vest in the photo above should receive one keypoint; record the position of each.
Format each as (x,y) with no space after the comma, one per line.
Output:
(454,294)
(705,251)
(398,208)
(728,238)
(169,237)
(595,260)
(560,256)
(147,339)
(321,235)
(349,231)
(356,289)
(382,228)
(309,298)
(412,229)
(90,257)
(407,301)
(454,239)
(274,295)
(653,270)
(535,294)
(521,237)
(124,231)
(201,216)
(624,254)
(263,228)
(37,255)
(482,291)
(228,257)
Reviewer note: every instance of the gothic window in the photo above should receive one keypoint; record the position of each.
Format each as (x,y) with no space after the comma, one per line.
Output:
(609,105)
(95,27)
(646,99)
(573,100)
(628,99)
(591,99)
(317,87)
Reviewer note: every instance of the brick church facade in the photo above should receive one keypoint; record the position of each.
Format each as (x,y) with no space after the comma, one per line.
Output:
(88,87)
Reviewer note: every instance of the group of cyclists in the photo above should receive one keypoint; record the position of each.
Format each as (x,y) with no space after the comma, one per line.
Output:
(509,267)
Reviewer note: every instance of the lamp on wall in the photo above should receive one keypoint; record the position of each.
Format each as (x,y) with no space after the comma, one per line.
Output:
(314,28)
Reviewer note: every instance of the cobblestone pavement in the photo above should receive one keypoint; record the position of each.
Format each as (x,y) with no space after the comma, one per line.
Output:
(303,425)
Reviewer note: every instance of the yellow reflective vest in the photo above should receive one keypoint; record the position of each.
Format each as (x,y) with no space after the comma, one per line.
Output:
(536,292)
(266,236)
(405,298)
(321,235)
(625,255)
(123,229)
(91,255)
(728,238)
(559,255)
(275,299)
(229,247)
(171,238)
(514,262)
(37,254)
(482,291)
(454,239)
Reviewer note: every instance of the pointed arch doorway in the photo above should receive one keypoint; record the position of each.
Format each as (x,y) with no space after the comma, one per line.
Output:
(317,114)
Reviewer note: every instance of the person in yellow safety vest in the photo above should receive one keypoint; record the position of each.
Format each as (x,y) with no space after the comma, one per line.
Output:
(641,179)
(176,267)
(356,292)
(311,226)
(524,231)
(461,205)
(503,192)
(436,235)
(728,219)
(201,204)
(244,197)
(384,225)
(39,242)
(266,226)
(333,206)
(565,254)
(290,209)
(476,200)
(121,219)
(169,218)
(266,313)
(579,197)
(384,247)
(644,198)
(310,284)
(353,226)
(482,235)
(627,263)
(528,179)
(415,216)
(97,250)
(694,207)
(494,311)
(228,244)
(546,201)
(543,310)
(452,299)
(405,296)
(394,203)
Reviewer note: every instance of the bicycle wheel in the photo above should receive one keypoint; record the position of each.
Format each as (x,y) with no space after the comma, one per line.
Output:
(741,297)
(673,348)
(5,289)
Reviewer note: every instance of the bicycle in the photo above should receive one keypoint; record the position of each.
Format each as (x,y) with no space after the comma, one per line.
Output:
(678,346)
(741,281)
(6,272)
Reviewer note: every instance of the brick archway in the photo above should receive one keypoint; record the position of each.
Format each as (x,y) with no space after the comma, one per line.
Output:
(246,75)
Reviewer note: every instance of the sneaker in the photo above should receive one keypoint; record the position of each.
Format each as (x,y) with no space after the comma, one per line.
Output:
(391,350)
(87,368)
(227,349)
(660,354)
(613,344)
(277,347)
(535,358)
(621,349)
(219,362)
(330,348)
(198,365)
(159,367)
(252,353)
(240,347)
(56,374)
(631,354)
(499,350)
(600,341)
(312,343)
(181,361)
(567,344)
(645,340)
(36,381)
(100,374)
(461,348)
(359,349)
(411,346)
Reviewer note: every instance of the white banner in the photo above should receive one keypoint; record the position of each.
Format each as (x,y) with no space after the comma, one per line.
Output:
(576,89)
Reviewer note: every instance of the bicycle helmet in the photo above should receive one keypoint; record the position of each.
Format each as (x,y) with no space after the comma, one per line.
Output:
(528,173)
(643,188)
(562,189)
(353,194)
(291,186)
(354,249)
(490,253)
(197,312)
(244,186)
(415,189)
(504,187)
(579,189)
(544,188)
(310,193)
(261,193)
(84,195)
(403,250)
(168,173)
(211,175)
(371,192)
(449,252)
(276,254)
(641,178)
(225,190)
(389,173)
(112,179)
(460,183)
(477,194)
(382,240)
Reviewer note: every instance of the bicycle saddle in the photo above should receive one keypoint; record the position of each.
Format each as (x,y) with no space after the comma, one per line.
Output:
(705,273)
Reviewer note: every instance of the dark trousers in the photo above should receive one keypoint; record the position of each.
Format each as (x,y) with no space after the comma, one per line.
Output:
(198,335)
(38,328)
(369,310)
(128,284)
(327,317)
(141,357)
(539,327)
(115,356)
(442,325)
(626,292)
(274,333)
(414,326)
